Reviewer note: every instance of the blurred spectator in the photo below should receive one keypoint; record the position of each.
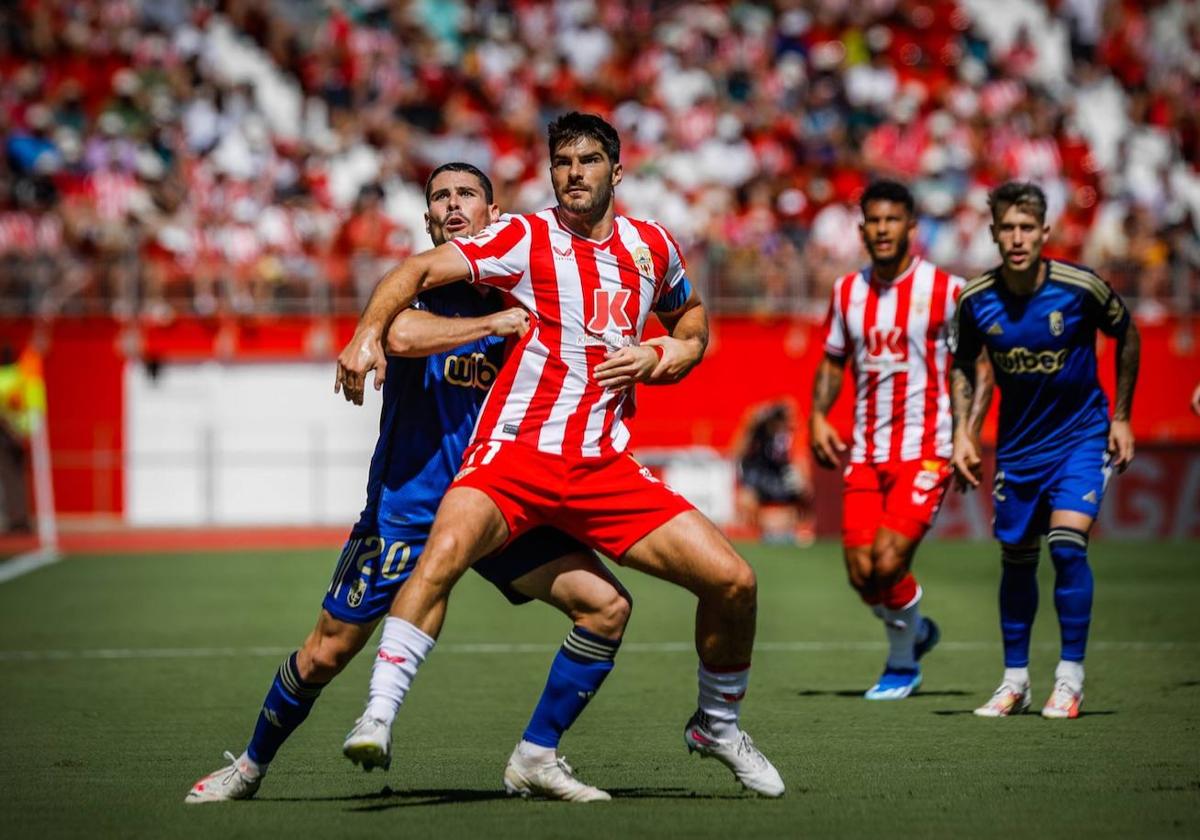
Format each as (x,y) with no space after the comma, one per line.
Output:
(774,497)
(166,157)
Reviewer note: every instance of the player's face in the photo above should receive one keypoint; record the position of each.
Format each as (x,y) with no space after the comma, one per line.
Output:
(457,207)
(886,229)
(583,177)
(1020,235)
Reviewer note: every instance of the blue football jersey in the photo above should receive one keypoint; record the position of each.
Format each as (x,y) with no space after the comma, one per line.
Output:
(429,411)
(1043,351)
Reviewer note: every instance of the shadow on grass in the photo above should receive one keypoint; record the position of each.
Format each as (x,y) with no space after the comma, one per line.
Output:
(858,693)
(388,799)
(952,712)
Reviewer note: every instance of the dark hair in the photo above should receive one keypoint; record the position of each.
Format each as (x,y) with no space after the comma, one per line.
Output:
(1027,196)
(459,166)
(572,126)
(885,190)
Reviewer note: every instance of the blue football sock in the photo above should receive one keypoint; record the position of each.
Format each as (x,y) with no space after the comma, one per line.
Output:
(287,705)
(1018,603)
(578,670)
(1073,587)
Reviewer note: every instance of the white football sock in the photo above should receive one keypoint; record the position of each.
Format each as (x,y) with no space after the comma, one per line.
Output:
(1072,672)
(721,694)
(249,767)
(902,628)
(402,649)
(1017,677)
(536,753)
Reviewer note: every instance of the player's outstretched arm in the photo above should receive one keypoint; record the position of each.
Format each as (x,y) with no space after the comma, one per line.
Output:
(661,360)
(965,455)
(1196,399)
(824,441)
(1120,432)
(394,292)
(415,333)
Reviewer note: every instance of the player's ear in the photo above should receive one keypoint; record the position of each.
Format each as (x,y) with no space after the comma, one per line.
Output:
(995,233)
(493,213)
(427,230)
(618,172)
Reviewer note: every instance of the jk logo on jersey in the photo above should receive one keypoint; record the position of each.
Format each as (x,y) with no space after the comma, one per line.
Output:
(608,310)
(885,342)
(1056,323)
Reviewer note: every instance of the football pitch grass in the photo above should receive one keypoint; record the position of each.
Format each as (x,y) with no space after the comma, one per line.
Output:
(123,678)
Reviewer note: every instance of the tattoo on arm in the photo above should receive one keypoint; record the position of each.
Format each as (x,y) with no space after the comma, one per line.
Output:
(962,394)
(985,383)
(1129,348)
(826,386)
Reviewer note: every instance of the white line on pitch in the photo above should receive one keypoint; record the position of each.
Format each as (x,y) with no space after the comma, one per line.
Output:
(27,562)
(517,648)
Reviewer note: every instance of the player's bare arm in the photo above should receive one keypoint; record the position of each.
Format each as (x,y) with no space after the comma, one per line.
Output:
(394,293)
(985,386)
(662,360)
(1120,433)
(965,456)
(415,333)
(826,444)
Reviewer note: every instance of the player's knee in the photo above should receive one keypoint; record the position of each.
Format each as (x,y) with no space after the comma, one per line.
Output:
(889,565)
(739,586)
(443,562)
(326,657)
(610,618)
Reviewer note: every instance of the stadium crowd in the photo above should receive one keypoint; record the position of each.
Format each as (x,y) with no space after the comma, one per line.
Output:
(165,157)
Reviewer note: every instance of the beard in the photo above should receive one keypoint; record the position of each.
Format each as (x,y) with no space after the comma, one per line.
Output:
(897,257)
(592,204)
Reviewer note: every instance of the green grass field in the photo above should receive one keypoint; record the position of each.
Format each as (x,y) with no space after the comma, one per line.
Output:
(122,679)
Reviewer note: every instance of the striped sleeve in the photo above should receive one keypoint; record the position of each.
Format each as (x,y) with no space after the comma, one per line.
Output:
(499,254)
(835,322)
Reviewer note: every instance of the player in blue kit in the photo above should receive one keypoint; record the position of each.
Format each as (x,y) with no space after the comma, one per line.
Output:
(450,346)
(1038,318)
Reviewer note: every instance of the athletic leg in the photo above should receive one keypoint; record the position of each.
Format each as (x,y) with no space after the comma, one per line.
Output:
(580,587)
(297,685)
(468,526)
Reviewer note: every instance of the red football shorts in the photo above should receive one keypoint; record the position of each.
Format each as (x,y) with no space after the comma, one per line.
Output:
(903,496)
(609,503)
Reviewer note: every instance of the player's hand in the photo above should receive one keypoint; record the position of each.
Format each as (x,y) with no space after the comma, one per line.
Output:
(1120,444)
(826,444)
(364,353)
(968,466)
(626,367)
(1196,399)
(510,322)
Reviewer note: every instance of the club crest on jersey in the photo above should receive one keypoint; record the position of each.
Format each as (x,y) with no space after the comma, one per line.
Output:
(644,261)
(1056,323)
(355,595)
(608,310)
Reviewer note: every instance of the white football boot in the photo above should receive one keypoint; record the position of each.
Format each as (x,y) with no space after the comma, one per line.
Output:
(1006,700)
(369,744)
(234,781)
(549,779)
(1064,702)
(747,762)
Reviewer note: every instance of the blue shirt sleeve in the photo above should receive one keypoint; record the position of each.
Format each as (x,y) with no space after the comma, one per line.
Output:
(675,298)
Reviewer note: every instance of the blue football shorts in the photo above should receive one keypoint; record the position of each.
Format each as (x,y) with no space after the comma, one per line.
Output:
(371,569)
(1025,495)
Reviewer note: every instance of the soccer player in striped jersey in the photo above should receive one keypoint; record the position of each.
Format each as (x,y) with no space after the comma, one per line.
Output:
(444,355)
(1056,448)
(551,441)
(891,321)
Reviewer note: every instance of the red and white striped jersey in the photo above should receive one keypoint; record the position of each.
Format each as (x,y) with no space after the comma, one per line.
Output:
(585,298)
(896,335)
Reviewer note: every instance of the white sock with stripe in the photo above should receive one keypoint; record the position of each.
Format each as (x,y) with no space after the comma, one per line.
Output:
(402,649)
(721,694)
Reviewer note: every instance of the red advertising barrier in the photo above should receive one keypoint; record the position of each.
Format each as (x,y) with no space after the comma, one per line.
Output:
(750,361)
